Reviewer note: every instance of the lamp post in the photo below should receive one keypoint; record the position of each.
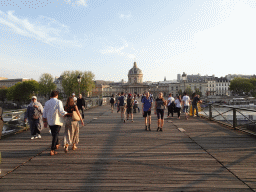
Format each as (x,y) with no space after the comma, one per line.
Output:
(184,78)
(79,81)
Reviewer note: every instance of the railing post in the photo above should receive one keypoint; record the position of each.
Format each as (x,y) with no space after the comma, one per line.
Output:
(210,112)
(234,118)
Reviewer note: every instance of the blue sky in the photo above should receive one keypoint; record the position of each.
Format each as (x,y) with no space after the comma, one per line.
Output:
(164,37)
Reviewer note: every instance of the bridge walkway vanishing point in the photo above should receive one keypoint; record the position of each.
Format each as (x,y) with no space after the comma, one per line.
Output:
(193,155)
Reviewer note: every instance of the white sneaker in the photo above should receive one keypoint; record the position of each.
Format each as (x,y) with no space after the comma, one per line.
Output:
(33,137)
(39,136)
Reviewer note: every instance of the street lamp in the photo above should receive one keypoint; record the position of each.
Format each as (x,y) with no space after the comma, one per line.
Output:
(184,78)
(79,81)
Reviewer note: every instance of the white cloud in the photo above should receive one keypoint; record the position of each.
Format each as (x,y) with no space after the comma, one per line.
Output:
(44,29)
(77,2)
(118,50)
(123,16)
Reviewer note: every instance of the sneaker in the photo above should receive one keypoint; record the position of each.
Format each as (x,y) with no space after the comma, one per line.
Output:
(33,137)
(39,136)
(36,137)
(132,121)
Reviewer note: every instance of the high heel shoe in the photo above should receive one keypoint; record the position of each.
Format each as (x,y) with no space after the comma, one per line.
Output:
(161,129)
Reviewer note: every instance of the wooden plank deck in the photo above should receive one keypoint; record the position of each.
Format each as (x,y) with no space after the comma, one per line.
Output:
(193,155)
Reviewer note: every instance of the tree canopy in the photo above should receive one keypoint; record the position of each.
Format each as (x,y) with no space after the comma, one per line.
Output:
(70,84)
(242,86)
(22,91)
(3,93)
(46,84)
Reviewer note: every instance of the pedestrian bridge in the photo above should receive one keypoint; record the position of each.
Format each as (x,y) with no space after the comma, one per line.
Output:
(193,155)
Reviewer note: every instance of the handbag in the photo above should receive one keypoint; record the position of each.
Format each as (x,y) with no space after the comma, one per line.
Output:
(75,116)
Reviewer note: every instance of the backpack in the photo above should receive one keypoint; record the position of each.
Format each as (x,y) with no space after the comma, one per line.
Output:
(129,103)
(112,100)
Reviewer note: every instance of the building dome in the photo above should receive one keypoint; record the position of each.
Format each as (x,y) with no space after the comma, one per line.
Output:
(135,75)
(135,70)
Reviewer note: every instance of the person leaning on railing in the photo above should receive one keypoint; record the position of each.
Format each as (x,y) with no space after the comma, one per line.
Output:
(196,100)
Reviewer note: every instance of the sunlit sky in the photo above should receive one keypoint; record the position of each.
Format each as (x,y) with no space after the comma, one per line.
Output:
(164,37)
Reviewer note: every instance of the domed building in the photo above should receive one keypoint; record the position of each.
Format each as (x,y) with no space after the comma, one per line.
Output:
(135,81)
(135,75)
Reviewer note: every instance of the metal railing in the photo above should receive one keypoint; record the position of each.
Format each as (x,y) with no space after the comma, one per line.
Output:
(243,119)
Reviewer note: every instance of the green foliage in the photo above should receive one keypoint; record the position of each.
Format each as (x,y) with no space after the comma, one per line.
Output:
(189,91)
(253,82)
(70,84)
(241,86)
(46,84)
(3,93)
(180,92)
(198,92)
(22,91)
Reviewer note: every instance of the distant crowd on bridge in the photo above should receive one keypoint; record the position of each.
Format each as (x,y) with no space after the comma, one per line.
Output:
(127,104)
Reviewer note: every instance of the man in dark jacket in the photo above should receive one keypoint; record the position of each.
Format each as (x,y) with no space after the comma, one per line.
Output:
(81,104)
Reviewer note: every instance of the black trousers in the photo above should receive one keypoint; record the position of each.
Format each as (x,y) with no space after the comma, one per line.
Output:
(170,110)
(82,111)
(55,129)
(34,126)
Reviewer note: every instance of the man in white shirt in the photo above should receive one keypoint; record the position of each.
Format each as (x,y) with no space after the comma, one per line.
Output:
(186,100)
(170,105)
(53,110)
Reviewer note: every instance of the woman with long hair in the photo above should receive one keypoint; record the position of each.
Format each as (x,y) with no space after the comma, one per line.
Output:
(159,110)
(178,105)
(71,134)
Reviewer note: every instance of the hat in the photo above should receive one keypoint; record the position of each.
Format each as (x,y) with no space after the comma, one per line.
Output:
(73,94)
(34,97)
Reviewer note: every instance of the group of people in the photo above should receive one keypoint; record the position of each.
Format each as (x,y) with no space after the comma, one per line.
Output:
(174,105)
(54,115)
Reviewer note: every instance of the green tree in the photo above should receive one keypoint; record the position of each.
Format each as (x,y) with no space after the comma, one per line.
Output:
(241,86)
(46,84)
(70,84)
(198,92)
(180,92)
(253,82)
(21,92)
(3,93)
(189,91)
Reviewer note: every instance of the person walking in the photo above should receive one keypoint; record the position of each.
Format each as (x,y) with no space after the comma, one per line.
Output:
(71,134)
(121,105)
(74,97)
(170,105)
(53,111)
(117,97)
(1,121)
(129,107)
(81,104)
(112,103)
(34,115)
(178,105)
(147,103)
(186,101)
(159,111)
(196,100)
